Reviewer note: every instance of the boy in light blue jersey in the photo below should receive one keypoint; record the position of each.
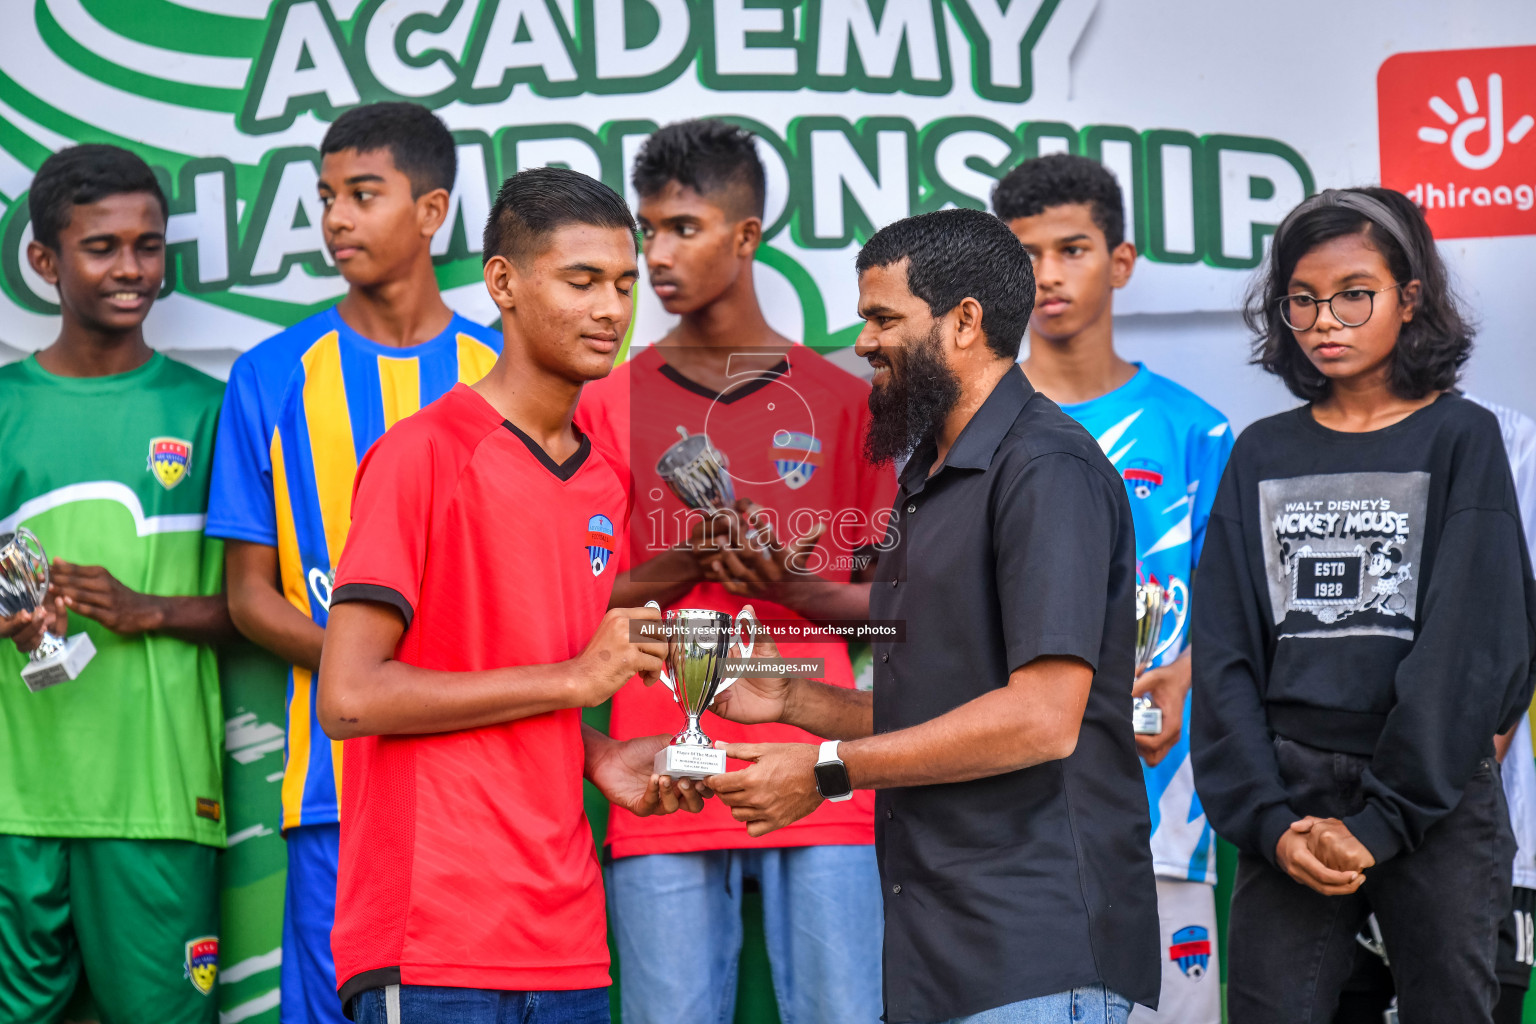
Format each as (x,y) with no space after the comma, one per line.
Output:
(1170,448)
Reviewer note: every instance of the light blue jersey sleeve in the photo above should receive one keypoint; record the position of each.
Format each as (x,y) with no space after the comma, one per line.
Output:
(1207,454)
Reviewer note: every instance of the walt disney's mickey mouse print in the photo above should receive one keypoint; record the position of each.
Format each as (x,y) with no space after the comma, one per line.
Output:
(1342,551)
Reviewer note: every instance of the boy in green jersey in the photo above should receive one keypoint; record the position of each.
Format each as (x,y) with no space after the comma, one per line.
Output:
(111,806)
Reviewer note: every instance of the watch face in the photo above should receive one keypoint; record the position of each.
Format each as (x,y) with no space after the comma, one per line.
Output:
(832,779)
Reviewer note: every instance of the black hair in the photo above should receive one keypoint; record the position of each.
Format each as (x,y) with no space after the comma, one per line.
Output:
(534,203)
(84,174)
(417,140)
(1062,179)
(954,254)
(1431,347)
(706,155)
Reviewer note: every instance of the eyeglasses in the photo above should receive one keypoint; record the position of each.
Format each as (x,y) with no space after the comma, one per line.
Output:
(1350,307)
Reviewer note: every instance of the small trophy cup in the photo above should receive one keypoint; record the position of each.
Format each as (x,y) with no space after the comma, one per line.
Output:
(697,472)
(1152,601)
(698,642)
(24,587)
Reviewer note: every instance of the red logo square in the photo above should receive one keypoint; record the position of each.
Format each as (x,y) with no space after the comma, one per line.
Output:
(1458,137)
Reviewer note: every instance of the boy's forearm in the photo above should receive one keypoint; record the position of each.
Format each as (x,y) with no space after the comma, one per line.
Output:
(198,620)
(261,612)
(389,697)
(664,579)
(595,745)
(269,621)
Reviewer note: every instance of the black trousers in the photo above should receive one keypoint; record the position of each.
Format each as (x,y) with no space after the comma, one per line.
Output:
(1291,949)
(1369,991)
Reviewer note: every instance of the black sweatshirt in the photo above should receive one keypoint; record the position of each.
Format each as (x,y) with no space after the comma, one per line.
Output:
(1363,593)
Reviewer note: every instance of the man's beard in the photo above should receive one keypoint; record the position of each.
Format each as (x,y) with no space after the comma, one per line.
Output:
(918,393)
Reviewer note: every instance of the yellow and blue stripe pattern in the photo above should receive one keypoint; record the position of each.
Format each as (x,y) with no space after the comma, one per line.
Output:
(321,395)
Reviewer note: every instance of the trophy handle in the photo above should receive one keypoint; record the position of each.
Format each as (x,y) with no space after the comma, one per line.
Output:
(1177,599)
(37,563)
(665,675)
(745,616)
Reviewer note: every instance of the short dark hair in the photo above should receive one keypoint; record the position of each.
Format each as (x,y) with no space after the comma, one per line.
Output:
(706,155)
(1062,179)
(952,254)
(1431,347)
(534,203)
(84,174)
(417,139)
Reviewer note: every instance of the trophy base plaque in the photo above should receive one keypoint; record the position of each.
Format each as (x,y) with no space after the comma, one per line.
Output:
(1147,721)
(687,761)
(64,664)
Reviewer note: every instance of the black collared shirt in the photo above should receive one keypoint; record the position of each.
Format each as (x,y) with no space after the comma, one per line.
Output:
(1040,880)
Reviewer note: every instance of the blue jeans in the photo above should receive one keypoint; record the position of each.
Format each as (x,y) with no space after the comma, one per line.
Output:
(428,1004)
(1092,1005)
(676,923)
(309,909)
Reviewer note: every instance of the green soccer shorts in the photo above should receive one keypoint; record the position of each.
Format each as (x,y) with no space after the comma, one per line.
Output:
(140,917)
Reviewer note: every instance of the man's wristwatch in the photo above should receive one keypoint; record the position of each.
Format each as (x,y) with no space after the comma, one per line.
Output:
(832,780)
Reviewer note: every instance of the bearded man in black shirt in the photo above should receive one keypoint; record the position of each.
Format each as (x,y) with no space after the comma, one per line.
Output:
(1011,818)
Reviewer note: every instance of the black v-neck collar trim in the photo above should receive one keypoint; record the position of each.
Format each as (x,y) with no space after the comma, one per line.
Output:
(562,471)
(735,394)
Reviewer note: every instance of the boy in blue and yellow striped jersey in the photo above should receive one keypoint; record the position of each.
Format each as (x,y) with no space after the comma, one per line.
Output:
(301,410)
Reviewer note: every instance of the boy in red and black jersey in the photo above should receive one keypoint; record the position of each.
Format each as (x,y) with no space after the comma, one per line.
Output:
(469,625)
(792,425)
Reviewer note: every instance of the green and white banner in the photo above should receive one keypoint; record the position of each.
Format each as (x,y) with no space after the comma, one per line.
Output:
(867,112)
(1215,119)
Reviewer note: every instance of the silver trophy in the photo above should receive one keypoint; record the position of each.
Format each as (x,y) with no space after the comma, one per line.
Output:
(698,643)
(1153,600)
(697,472)
(24,587)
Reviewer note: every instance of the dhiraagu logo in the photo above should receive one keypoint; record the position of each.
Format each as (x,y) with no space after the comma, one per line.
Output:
(1458,136)
(1470,121)
(869,110)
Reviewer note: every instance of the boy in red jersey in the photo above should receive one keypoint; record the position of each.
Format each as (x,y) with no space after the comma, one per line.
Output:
(468,627)
(792,425)
(301,410)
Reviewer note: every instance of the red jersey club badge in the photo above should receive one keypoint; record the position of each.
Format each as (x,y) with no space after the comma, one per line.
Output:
(795,456)
(599,543)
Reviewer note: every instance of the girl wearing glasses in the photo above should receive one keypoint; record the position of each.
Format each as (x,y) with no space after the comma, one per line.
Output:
(1365,627)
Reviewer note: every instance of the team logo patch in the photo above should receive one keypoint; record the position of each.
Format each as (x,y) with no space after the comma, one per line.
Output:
(168,460)
(1144,476)
(203,962)
(320,584)
(1191,950)
(599,543)
(795,457)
